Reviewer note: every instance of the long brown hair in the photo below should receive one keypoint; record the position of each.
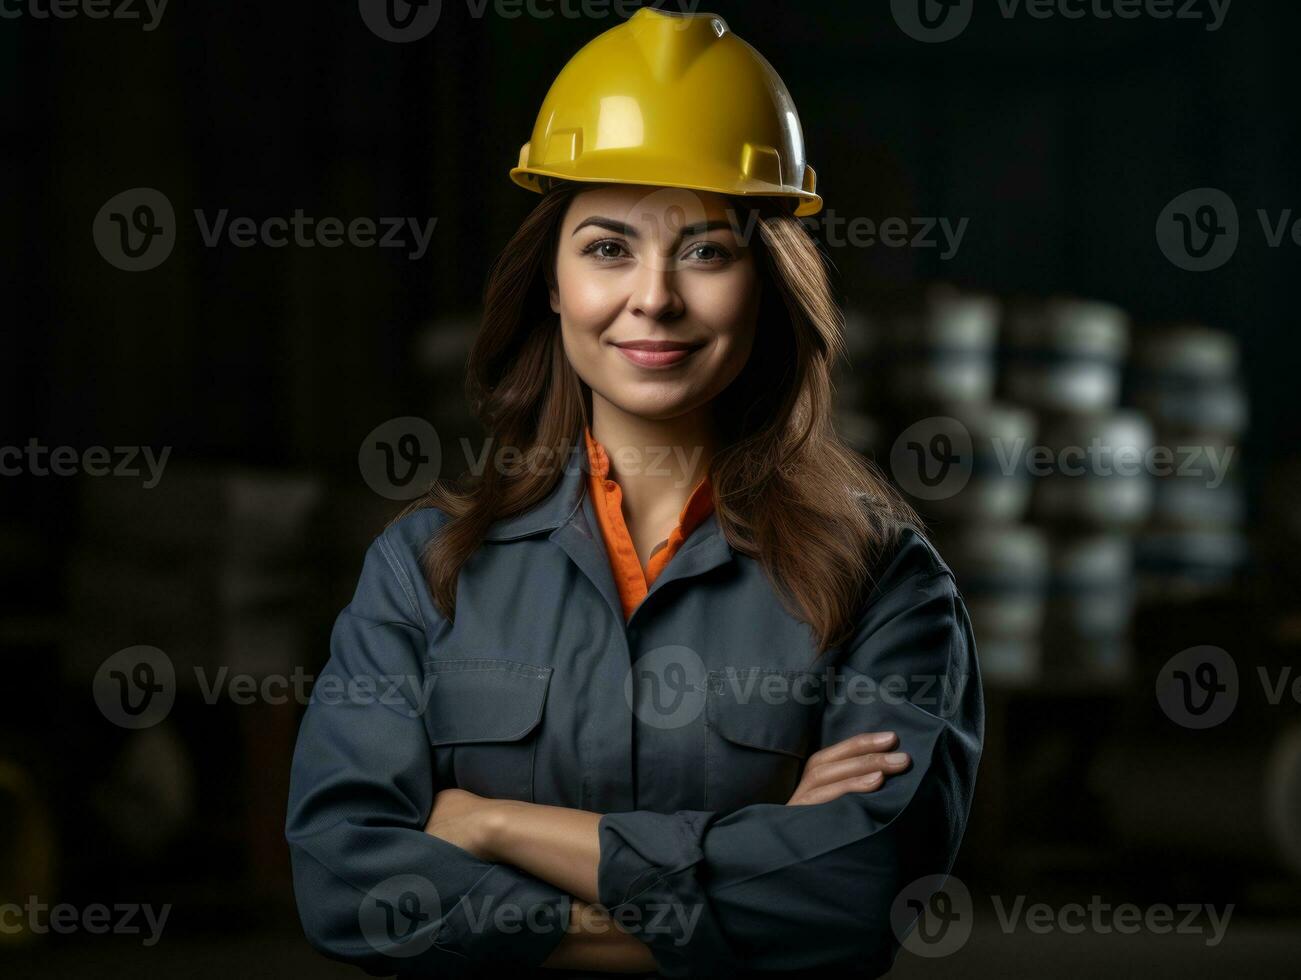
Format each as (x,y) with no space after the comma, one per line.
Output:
(787,491)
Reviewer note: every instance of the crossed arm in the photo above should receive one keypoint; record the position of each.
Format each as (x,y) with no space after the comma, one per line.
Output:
(765,886)
(562,846)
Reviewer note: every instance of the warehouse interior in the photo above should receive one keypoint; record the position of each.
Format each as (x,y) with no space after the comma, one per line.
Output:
(1031,297)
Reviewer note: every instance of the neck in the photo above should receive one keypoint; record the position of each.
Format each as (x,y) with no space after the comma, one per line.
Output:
(657,462)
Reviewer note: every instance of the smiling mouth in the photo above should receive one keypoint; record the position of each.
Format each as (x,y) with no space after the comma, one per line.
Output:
(657,353)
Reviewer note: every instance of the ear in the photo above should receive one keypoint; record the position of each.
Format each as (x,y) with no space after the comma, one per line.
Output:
(553,291)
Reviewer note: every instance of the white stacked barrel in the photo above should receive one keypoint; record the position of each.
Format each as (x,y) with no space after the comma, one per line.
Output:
(1002,571)
(1186,378)
(942,348)
(998,489)
(1097,494)
(1000,562)
(1065,354)
(1096,474)
(940,355)
(1064,357)
(1090,606)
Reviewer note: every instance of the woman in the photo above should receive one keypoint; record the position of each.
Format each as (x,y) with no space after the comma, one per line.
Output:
(676,684)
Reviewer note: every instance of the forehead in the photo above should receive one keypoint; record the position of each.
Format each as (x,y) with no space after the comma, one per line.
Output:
(649,208)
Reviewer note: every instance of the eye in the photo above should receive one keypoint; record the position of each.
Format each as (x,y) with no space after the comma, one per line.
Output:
(597,249)
(712,254)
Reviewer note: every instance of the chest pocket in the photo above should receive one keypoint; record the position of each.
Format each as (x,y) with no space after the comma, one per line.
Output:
(761,726)
(483,719)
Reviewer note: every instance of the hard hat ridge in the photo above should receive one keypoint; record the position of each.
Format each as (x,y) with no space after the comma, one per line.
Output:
(671,99)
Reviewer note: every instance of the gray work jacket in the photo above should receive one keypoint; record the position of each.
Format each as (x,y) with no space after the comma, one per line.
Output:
(686,726)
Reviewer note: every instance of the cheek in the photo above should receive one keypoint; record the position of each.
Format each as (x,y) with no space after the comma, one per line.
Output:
(588,302)
(732,314)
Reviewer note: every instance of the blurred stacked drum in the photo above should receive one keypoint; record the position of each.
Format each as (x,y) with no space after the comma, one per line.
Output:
(1065,354)
(1056,505)
(942,348)
(1186,379)
(960,456)
(1064,358)
(1002,572)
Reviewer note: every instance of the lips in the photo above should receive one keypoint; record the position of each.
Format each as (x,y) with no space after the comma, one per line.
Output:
(657,353)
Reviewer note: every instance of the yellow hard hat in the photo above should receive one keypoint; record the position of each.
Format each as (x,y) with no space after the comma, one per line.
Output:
(671,100)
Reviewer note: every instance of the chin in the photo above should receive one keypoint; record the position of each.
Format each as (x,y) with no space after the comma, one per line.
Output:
(656,409)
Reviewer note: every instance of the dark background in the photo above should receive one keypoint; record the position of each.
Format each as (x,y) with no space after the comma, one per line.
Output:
(1060,140)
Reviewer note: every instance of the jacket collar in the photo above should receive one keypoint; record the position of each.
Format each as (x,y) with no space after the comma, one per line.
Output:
(567,515)
(554,510)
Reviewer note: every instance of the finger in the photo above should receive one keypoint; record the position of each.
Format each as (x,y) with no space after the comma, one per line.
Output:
(854,745)
(885,762)
(833,791)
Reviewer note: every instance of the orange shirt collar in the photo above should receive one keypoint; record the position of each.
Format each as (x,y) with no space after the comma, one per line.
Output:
(607,497)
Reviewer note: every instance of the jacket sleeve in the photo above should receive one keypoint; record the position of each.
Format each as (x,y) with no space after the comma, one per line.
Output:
(810,887)
(373,889)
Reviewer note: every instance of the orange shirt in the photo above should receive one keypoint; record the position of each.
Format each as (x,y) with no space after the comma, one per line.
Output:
(607,499)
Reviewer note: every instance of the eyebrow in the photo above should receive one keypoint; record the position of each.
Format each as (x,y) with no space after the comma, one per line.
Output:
(621,228)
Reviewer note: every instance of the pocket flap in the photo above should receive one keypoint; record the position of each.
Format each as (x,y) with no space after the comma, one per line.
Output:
(765,708)
(484,700)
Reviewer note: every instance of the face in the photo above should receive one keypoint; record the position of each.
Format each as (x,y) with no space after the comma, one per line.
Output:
(657,295)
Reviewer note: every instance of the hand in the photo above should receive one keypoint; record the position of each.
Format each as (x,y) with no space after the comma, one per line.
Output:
(464,819)
(856,765)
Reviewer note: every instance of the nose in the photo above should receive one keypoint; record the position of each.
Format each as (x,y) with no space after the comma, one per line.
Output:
(655,293)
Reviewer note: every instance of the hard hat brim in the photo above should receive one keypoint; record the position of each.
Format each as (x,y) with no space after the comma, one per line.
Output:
(808,202)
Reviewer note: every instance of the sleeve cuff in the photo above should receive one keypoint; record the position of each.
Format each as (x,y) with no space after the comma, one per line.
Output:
(507,904)
(646,878)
